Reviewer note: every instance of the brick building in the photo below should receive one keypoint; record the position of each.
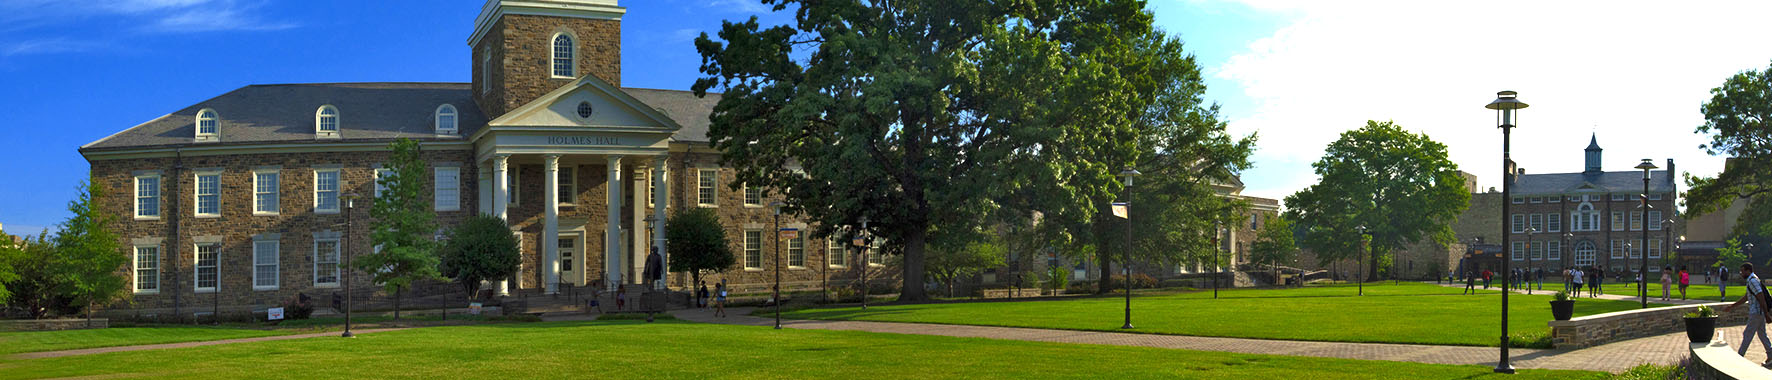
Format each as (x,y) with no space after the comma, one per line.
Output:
(239,196)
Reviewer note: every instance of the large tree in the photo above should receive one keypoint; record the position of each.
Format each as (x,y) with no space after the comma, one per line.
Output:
(11,252)
(88,255)
(697,243)
(404,226)
(1276,243)
(1397,184)
(1738,119)
(481,248)
(37,288)
(951,260)
(914,113)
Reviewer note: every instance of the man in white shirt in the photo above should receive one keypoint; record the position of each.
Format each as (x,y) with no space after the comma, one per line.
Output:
(1756,321)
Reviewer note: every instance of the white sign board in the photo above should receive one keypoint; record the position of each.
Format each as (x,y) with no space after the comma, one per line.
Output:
(274,314)
(474,308)
(1120,209)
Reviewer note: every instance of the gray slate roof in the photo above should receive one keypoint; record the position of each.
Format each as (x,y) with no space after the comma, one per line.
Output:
(284,113)
(1609,182)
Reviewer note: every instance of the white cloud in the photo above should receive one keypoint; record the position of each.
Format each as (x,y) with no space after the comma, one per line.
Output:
(739,6)
(163,16)
(1635,73)
(48,46)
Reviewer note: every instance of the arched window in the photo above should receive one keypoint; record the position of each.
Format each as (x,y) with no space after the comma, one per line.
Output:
(445,119)
(1584,253)
(326,120)
(206,123)
(563,49)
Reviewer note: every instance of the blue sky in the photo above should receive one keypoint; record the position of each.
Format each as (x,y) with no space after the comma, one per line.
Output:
(1300,72)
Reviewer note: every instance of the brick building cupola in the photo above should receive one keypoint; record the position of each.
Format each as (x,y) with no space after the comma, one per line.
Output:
(524,49)
(1593,156)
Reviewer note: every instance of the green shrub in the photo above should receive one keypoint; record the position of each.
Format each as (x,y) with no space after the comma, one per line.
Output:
(1139,281)
(1703,311)
(1531,339)
(1652,372)
(298,307)
(1080,287)
(1058,277)
(1562,295)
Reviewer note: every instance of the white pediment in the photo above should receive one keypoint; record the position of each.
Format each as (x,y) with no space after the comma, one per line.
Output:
(611,110)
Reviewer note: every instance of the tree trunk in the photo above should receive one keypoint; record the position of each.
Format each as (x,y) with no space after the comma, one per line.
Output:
(1372,266)
(397,303)
(913,266)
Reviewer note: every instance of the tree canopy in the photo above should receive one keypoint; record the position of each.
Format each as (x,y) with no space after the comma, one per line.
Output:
(951,261)
(1275,243)
(481,248)
(404,226)
(926,116)
(1738,119)
(697,243)
(1399,185)
(88,255)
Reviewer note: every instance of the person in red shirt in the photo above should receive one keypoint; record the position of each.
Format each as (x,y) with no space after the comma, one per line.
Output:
(1487,276)
(1685,279)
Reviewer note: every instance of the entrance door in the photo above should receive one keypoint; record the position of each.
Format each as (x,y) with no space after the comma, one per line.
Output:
(569,274)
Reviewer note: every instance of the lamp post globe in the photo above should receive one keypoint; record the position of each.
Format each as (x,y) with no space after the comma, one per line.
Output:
(1126,266)
(1505,104)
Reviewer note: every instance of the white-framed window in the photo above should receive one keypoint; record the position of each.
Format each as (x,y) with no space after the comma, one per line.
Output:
(326,120)
(1555,199)
(1584,253)
(753,249)
(568,179)
(1519,200)
(1619,197)
(1536,222)
(326,254)
(379,174)
(511,183)
(1553,223)
(875,256)
(1617,249)
(147,269)
(1537,199)
(1576,198)
(447,188)
(1519,223)
(1537,250)
(208,122)
(264,192)
(567,246)
(797,252)
(1636,248)
(1655,196)
(1654,220)
(563,52)
(707,187)
(207,267)
(326,184)
(1618,221)
(1585,218)
(1636,220)
(1654,248)
(208,194)
(753,196)
(1553,250)
(264,264)
(1518,250)
(445,119)
(836,254)
(147,196)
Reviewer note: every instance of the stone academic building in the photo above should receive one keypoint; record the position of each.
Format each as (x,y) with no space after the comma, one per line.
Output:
(241,194)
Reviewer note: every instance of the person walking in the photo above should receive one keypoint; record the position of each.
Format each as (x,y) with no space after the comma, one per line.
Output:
(1598,285)
(1756,313)
(621,297)
(1723,283)
(720,299)
(701,295)
(1540,273)
(1667,281)
(1470,282)
(1567,281)
(1576,276)
(1487,275)
(1685,280)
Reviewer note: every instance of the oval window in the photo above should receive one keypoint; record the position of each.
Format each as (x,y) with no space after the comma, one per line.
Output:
(584,109)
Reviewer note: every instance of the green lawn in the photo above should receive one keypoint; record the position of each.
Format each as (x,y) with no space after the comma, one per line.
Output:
(37,341)
(1405,313)
(681,350)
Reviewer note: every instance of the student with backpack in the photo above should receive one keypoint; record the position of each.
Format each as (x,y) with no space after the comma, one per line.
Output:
(1757,302)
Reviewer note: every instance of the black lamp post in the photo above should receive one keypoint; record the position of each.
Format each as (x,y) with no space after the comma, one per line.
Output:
(776,207)
(1505,103)
(1561,260)
(1360,260)
(350,205)
(1126,267)
(1218,230)
(1530,232)
(865,242)
(1643,277)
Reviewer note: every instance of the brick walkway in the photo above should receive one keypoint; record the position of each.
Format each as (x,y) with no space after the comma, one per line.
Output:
(1614,357)
(100,350)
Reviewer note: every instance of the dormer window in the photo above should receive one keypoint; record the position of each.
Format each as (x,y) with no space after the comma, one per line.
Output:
(207,124)
(326,121)
(445,119)
(563,49)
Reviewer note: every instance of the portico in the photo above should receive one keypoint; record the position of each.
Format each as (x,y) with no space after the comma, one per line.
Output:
(574,170)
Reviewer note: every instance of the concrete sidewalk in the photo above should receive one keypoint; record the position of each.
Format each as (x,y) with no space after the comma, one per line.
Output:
(1614,357)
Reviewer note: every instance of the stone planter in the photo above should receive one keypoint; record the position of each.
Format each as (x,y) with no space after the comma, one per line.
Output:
(1700,330)
(1562,310)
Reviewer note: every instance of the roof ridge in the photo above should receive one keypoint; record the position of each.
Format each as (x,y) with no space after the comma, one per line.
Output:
(337,83)
(667,89)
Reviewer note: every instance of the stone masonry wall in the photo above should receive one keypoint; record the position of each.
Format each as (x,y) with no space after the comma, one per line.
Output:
(521,48)
(1600,329)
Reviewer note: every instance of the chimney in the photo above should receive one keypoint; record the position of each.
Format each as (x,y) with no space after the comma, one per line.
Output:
(1671,173)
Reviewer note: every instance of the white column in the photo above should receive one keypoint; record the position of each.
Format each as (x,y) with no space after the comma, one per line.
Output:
(501,201)
(641,245)
(659,202)
(612,230)
(550,233)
